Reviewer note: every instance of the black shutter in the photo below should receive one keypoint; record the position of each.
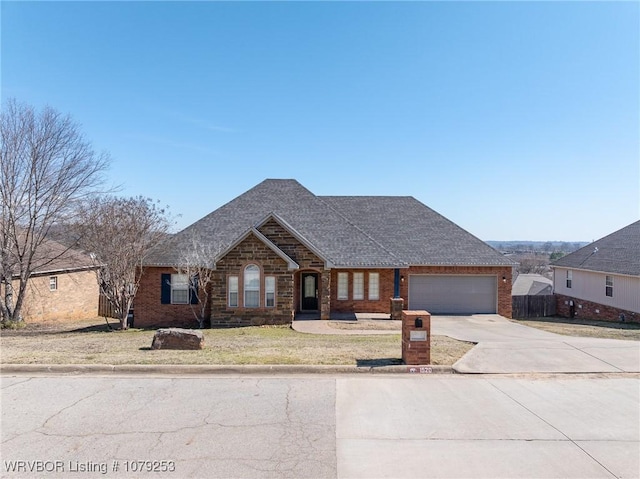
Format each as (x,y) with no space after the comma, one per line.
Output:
(193,289)
(165,289)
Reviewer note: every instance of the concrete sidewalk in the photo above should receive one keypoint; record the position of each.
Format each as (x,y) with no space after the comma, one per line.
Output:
(507,347)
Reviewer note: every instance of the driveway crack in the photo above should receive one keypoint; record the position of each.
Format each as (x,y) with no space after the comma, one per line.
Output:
(553,427)
(594,357)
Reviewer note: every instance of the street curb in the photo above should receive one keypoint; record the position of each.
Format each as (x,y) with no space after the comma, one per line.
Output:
(193,369)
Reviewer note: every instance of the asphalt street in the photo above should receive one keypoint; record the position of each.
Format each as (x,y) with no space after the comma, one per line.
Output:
(321,426)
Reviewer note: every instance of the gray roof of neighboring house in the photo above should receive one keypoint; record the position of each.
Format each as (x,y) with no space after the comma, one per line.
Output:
(52,257)
(531,284)
(618,253)
(347,231)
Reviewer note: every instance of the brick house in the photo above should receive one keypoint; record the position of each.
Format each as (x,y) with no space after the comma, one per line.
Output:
(282,251)
(61,287)
(602,279)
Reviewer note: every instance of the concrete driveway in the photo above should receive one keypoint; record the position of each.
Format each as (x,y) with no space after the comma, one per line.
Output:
(504,346)
(507,347)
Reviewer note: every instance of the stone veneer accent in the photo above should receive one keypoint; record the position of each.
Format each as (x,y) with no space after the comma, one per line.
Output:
(252,251)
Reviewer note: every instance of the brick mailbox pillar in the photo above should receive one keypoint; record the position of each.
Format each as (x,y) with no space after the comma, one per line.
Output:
(416,337)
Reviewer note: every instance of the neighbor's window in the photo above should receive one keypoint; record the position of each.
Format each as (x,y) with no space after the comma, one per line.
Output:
(252,286)
(374,286)
(179,289)
(343,285)
(53,283)
(270,291)
(358,285)
(233,291)
(609,286)
(569,278)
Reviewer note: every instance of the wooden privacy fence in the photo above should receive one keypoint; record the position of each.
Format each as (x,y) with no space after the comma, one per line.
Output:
(105,308)
(533,306)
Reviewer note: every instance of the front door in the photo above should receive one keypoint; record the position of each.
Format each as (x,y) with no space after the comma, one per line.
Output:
(309,289)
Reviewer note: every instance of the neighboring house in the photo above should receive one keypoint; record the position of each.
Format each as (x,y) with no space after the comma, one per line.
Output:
(532,285)
(61,289)
(281,250)
(601,280)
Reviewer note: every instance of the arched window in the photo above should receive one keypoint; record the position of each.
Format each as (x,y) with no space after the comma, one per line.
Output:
(252,286)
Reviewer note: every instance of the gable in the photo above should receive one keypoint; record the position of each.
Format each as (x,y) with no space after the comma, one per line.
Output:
(290,245)
(253,248)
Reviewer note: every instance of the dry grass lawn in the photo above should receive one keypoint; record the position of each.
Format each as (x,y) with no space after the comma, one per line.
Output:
(90,342)
(585,328)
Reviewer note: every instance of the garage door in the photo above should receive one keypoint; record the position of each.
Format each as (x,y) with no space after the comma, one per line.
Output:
(441,294)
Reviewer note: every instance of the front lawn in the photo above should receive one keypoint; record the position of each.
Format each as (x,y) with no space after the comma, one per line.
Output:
(90,342)
(585,327)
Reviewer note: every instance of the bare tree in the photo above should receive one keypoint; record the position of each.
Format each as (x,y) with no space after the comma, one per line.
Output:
(532,263)
(119,233)
(197,263)
(46,168)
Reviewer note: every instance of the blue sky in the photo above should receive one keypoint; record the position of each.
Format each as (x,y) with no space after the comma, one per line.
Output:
(516,120)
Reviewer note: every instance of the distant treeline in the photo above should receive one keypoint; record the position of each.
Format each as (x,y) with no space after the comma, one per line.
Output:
(537,246)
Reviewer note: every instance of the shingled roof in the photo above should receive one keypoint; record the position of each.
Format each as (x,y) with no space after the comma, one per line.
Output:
(53,257)
(617,253)
(347,231)
(414,232)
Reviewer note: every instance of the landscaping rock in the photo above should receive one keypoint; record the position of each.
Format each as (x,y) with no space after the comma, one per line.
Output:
(177,338)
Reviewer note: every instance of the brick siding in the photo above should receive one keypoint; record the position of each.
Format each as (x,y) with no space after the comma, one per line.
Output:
(76,297)
(148,308)
(381,305)
(590,310)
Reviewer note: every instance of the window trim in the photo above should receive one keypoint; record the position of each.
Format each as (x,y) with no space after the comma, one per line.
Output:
(342,292)
(53,283)
(608,286)
(245,285)
(269,290)
(569,278)
(376,296)
(174,288)
(233,290)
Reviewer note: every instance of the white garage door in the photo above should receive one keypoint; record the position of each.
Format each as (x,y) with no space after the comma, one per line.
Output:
(439,294)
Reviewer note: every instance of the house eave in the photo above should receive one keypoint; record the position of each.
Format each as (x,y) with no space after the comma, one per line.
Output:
(56,271)
(597,271)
